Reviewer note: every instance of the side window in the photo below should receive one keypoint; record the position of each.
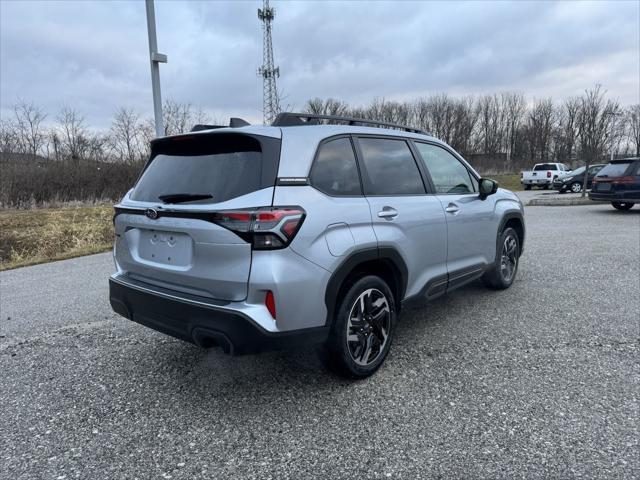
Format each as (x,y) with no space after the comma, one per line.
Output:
(335,171)
(449,175)
(389,168)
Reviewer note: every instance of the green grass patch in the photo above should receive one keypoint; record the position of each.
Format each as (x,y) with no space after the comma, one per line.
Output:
(28,237)
(510,182)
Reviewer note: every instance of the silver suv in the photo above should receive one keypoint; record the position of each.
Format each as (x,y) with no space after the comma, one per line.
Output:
(258,237)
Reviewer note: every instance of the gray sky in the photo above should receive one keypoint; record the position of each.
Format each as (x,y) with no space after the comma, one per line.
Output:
(93,55)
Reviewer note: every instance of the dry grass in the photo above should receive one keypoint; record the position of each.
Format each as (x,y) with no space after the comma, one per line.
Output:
(41,235)
(28,237)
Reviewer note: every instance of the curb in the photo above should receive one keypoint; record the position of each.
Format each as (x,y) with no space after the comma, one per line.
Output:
(560,202)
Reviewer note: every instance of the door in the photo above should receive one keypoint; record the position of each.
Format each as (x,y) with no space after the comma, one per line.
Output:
(404,216)
(471,221)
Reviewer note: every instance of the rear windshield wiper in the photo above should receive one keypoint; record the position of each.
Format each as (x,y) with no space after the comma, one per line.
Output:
(183,197)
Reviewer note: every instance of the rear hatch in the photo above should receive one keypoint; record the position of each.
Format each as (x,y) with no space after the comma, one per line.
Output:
(616,177)
(165,230)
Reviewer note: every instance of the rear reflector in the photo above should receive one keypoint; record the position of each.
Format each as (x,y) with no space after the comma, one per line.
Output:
(270,303)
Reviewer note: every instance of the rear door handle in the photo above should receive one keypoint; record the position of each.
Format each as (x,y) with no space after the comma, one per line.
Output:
(388,212)
(452,208)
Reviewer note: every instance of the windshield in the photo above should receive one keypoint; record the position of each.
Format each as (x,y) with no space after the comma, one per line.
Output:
(577,171)
(614,169)
(204,169)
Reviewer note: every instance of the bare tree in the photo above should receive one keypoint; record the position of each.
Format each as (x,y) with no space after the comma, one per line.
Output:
(491,123)
(515,108)
(466,113)
(567,129)
(181,117)
(632,115)
(539,129)
(72,133)
(30,134)
(330,106)
(8,137)
(125,133)
(593,125)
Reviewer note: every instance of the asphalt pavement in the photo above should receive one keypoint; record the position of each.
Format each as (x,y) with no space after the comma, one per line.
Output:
(541,380)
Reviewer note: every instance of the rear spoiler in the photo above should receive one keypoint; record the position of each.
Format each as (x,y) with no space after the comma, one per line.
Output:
(234,122)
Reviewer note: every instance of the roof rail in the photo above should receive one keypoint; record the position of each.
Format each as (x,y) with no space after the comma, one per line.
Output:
(234,122)
(289,119)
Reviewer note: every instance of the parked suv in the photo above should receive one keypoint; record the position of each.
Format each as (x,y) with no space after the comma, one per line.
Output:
(259,237)
(618,183)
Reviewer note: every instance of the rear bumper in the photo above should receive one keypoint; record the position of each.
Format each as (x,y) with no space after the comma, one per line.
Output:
(203,323)
(615,197)
(539,181)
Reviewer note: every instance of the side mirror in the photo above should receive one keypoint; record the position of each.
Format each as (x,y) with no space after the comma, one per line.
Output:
(487,187)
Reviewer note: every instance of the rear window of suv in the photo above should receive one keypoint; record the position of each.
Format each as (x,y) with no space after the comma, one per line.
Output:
(210,167)
(616,169)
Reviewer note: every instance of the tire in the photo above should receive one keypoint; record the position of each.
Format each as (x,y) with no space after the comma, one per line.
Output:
(527,187)
(546,187)
(622,205)
(355,348)
(576,187)
(501,276)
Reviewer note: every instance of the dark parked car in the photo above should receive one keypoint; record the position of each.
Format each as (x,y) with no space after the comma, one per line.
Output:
(573,181)
(618,183)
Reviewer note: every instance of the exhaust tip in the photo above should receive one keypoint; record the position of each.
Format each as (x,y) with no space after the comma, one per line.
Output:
(206,338)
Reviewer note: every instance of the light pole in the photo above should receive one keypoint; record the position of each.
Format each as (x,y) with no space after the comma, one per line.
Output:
(155,58)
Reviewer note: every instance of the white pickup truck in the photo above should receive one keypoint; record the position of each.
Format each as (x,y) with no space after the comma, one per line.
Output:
(543,175)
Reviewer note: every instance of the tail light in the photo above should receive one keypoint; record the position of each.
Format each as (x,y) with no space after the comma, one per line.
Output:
(548,173)
(624,180)
(266,228)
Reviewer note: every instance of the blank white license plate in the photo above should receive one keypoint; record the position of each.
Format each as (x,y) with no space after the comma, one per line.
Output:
(169,248)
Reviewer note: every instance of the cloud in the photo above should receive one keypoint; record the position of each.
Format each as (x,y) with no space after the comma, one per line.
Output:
(94,55)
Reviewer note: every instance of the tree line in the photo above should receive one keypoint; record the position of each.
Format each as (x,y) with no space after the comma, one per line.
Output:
(49,161)
(68,137)
(62,159)
(507,132)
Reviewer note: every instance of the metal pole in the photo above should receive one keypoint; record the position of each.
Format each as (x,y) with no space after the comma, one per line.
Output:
(155,59)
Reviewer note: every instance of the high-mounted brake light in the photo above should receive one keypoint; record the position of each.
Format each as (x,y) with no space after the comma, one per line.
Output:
(266,228)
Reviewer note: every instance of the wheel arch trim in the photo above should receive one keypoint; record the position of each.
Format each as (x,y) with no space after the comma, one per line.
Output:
(388,255)
(510,215)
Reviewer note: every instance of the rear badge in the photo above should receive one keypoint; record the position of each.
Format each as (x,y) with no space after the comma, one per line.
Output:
(151,213)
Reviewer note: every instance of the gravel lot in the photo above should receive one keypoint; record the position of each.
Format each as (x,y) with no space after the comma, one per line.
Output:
(539,380)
